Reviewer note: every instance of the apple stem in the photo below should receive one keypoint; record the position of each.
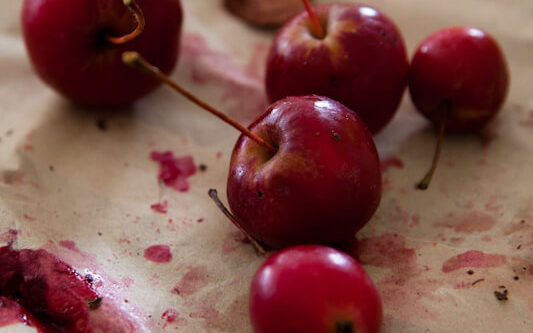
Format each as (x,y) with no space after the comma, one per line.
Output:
(314,19)
(214,195)
(139,17)
(135,60)
(424,183)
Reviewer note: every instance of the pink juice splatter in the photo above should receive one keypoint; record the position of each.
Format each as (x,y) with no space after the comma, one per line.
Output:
(475,259)
(194,280)
(391,162)
(174,171)
(160,207)
(158,253)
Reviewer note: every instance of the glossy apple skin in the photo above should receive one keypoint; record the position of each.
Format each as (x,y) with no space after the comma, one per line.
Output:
(361,62)
(322,185)
(463,69)
(311,288)
(66,45)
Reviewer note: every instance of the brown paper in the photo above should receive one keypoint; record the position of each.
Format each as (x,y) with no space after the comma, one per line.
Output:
(85,194)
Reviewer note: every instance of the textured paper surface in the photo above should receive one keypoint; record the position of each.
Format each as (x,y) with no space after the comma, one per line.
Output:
(63,179)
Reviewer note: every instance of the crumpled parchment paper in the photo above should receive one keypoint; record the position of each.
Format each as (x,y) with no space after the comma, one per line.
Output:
(84,192)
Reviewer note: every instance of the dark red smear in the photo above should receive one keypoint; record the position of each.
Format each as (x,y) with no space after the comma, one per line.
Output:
(476,259)
(172,316)
(174,171)
(47,289)
(11,312)
(158,253)
(160,207)
(68,244)
(9,236)
(391,162)
(387,250)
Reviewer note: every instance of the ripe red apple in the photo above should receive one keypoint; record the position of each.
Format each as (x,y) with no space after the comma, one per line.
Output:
(306,171)
(321,185)
(70,47)
(459,76)
(360,61)
(458,79)
(313,289)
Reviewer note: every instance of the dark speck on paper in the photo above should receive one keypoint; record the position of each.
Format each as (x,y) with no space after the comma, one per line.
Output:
(101,124)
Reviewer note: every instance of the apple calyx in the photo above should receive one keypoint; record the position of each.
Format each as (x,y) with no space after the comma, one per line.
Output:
(134,59)
(319,31)
(139,18)
(344,326)
(214,195)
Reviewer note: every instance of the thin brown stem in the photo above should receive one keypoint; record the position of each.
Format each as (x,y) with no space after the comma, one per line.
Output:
(135,60)
(139,18)
(319,32)
(214,195)
(424,183)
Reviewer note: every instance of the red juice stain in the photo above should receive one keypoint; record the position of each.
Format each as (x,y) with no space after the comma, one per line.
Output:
(403,288)
(219,154)
(68,244)
(386,184)
(457,240)
(476,259)
(28,147)
(486,238)
(171,316)
(11,312)
(47,289)
(194,280)
(467,223)
(243,93)
(158,253)
(212,317)
(9,236)
(391,162)
(232,241)
(174,171)
(256,64)
(415,220)
(387,250)
(29,218)
(200,220)
(160,207)
(127,281)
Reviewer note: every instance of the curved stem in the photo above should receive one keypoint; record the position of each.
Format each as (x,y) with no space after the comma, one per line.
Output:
(139,18)
(135,60)
(314,20)
(424,183)
(214,195)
